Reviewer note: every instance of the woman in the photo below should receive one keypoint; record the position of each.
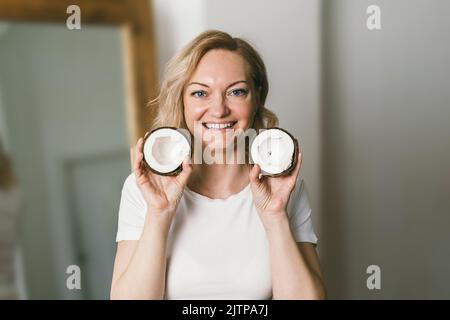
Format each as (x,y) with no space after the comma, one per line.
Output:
(215,231)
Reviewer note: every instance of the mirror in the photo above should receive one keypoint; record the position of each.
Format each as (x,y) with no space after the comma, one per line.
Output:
(71,104)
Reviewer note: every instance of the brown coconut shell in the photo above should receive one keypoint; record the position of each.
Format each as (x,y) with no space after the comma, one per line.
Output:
(294,158)
(180,167)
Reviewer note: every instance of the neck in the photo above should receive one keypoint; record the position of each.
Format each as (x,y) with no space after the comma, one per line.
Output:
(218,180)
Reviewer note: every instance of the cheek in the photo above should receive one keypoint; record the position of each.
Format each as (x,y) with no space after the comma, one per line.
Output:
(244,113)
(245,109)
(192,113)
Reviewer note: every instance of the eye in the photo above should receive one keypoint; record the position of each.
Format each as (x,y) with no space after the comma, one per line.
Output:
(238,92)
(199,94)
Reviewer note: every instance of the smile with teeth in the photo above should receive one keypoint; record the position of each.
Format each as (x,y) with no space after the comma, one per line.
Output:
(211,125)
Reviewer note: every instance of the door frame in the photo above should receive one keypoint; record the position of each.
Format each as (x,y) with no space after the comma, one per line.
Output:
(135,20)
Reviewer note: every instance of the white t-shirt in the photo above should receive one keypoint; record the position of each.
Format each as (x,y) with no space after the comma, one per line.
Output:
(217,248)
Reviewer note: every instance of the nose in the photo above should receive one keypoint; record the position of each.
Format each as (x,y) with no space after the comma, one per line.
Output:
(218,107)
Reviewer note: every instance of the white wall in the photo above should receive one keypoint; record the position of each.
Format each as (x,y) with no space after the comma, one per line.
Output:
(387,155)
(176,22)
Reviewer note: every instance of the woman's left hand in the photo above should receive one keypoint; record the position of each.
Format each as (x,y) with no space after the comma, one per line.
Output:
(271,194)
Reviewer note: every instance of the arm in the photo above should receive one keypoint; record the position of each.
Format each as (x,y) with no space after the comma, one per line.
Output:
(295,266)
(140,266)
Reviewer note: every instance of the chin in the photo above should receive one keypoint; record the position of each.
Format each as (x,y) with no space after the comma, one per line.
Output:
(219,145)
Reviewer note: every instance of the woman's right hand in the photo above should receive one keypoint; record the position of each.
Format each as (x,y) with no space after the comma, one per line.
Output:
(161,193)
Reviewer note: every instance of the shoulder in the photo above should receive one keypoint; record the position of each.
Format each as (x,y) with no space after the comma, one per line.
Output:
(132,211)
(299,196)
(299,208)
(131,193)
(130,185)
(130,181)
(299,212)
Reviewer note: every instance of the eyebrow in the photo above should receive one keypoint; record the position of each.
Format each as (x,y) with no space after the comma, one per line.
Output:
(204,85)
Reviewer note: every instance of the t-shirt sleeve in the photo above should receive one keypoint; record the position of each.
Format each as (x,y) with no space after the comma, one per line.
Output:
(299,212)
(132,211)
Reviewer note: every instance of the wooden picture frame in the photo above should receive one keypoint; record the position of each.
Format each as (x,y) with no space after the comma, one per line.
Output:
(134,18)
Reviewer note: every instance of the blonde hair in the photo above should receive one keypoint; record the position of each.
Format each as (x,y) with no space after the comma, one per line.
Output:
(180,68)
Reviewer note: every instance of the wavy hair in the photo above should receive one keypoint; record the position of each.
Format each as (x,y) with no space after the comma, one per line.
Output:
(169,102)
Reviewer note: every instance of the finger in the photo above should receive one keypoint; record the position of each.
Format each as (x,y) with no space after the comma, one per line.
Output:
(185,172)
(136,156)
(146,134)
(137,148)
(299,164)
(294,173)
(141,145)
(254,174)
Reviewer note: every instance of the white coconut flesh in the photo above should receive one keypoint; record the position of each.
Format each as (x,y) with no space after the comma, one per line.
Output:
(273,150)
(165,150)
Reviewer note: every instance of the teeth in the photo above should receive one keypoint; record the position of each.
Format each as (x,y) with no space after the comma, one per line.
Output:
(219,125)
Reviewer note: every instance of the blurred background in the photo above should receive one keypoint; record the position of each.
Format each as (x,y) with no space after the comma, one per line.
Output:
(371,109)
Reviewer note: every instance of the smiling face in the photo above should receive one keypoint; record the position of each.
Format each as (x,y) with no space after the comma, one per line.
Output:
(219,98)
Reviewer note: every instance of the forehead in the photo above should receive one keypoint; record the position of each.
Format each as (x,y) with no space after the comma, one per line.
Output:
(219,65)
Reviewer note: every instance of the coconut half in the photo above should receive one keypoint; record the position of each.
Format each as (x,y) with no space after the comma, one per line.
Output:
(275,151)
(165,149)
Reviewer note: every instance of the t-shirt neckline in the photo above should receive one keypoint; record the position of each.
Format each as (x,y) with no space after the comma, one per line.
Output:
(205,198)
